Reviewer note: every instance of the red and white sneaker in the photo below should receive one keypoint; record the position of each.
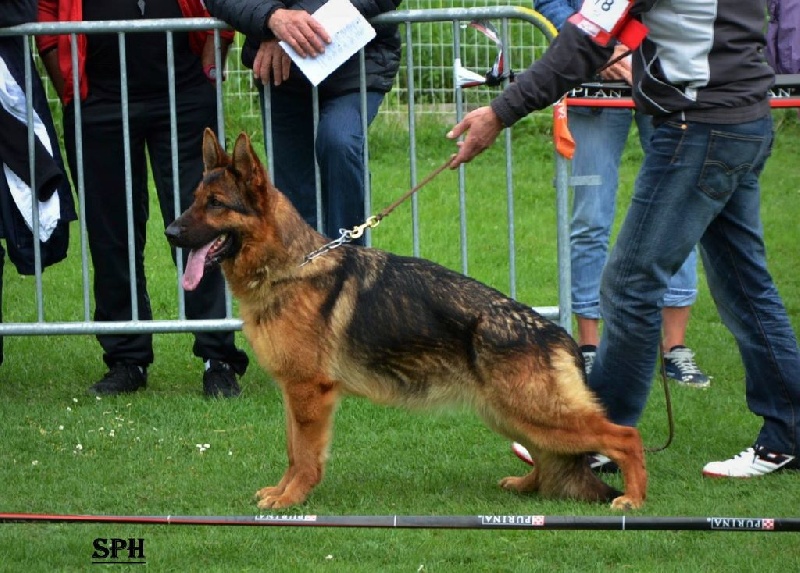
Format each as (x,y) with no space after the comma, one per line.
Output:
(522,453)
(752,462)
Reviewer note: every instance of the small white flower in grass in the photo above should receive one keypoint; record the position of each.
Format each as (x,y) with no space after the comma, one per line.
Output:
(35,463)
(111,432)
(202,447)
(61,427)
(75,400)
(69,409)
(78,448)
(230,452)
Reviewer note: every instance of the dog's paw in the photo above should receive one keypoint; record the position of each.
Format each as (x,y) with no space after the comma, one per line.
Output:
(273,503)
(521,484)
(271,491)
(278,497)
(625,503)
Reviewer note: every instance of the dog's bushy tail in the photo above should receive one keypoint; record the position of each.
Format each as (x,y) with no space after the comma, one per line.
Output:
(570,477)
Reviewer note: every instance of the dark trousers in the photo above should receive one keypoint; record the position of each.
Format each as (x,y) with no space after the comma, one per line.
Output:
(339,148)
(106,218)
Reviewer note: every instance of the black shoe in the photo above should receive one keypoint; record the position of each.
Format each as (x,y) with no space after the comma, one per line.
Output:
(219,381)
(121,379)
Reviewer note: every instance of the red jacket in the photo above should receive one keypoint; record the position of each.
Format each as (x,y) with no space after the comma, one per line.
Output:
(72,11)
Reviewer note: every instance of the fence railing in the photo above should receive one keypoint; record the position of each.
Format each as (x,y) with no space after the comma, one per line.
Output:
(422,87)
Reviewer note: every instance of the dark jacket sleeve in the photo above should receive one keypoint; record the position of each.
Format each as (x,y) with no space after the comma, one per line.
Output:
(571,59)
(16,12)
(246,16)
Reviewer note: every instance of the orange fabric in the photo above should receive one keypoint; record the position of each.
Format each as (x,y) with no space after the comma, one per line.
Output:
(565,144)
(72,11)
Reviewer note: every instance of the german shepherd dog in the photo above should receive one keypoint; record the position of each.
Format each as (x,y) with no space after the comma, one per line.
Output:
(400,331)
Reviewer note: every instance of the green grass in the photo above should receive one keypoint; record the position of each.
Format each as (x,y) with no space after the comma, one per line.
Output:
(138,454)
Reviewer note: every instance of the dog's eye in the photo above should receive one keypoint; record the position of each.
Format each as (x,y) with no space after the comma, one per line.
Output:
(214,202)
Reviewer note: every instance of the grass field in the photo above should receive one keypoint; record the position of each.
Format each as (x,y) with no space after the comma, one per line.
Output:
(62,451)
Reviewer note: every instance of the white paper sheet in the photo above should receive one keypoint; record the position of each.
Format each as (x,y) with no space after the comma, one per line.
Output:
(349,32)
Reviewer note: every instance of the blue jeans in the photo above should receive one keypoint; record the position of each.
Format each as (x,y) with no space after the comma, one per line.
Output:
(600,136)
(699,183)
(339,148)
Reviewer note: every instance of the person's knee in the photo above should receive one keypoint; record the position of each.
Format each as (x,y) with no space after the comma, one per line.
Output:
(335,142)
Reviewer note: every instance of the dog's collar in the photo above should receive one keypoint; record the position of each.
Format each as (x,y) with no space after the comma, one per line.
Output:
(345,236)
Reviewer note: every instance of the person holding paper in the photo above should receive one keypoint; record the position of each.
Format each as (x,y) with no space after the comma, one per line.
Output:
(288,94)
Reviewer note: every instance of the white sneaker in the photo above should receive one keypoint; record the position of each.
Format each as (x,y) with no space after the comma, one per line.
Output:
(753,462)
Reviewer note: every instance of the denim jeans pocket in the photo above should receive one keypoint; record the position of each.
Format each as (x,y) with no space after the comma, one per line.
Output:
(729,156)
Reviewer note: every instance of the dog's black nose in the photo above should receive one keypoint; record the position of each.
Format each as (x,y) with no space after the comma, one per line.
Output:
(173,233)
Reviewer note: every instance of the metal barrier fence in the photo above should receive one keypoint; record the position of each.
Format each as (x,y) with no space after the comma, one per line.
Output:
(454,18)
(430,47)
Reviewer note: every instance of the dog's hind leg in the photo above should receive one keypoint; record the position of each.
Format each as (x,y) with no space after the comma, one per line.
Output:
(310,406)
(558,445)
(624,446)
(564,471)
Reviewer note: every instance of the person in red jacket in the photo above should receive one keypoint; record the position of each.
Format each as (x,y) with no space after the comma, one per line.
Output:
(104,171)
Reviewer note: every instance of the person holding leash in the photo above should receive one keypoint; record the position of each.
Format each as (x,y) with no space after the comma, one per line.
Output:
(701,73)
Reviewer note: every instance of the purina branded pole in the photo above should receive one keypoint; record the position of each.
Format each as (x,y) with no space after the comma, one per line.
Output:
(516,522)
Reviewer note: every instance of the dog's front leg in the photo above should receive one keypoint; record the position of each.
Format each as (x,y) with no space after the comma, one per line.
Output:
(310,407)
(277,490)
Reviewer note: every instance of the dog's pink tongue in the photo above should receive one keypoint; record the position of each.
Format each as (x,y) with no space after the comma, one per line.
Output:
(195,267)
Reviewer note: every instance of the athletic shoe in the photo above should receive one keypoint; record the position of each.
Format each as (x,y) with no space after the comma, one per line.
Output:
(602,464)
(589,352)
(120,379)
(522,453)
(753,462)
(219,380)
(598,462)
(680,366)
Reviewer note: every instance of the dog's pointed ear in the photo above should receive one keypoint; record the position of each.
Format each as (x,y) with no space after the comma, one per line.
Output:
(213,154)
(245,160)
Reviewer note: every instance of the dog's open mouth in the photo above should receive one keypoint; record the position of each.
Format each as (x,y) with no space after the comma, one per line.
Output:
(205,256)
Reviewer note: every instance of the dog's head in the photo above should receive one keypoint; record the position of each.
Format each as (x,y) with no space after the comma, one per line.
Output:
(232,197)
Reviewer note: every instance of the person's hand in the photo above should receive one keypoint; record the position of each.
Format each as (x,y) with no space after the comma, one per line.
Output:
(272,63)
(482,127)
(300,30)
(621,70)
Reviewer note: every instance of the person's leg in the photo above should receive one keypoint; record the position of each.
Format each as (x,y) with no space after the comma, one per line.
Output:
(678,300)
(734,257)
(675,319)
(196,109)
(340,154)
(293,150)
(106,224)
(600,137)
(668,215)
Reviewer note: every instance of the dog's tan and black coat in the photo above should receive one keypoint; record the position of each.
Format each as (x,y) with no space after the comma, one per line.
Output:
(397,330)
